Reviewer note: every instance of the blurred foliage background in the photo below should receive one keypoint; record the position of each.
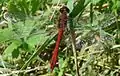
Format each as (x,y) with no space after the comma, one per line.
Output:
(28,30)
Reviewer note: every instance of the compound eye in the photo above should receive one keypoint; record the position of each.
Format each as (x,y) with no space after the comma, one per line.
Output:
(67,10)
(64,8)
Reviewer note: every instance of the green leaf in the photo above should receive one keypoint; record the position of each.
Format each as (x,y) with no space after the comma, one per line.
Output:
(35,5)
(23,29)
(14,8)
(15,53)
(14,45)
(64,64)
(6,34)
(77,9)
(27,29)
(25,46)
(118,4)
(36,39)
(70,5)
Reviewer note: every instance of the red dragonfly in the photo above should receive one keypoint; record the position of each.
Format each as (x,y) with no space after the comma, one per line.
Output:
(62,22)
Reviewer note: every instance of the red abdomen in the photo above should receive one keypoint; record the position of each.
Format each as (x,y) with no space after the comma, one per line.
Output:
(55,52)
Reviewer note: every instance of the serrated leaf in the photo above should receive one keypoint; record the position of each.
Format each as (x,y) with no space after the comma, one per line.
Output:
(23,30)
(14,45)
(5,35)
(29,26)
(36,39)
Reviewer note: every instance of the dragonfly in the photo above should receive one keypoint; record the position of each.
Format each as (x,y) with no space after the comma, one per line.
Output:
(62,23)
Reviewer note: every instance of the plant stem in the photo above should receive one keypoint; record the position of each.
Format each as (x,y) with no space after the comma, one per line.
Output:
(72,33)
(74,52)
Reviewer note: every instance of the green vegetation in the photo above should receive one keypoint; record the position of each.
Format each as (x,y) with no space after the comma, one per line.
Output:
(90,46)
